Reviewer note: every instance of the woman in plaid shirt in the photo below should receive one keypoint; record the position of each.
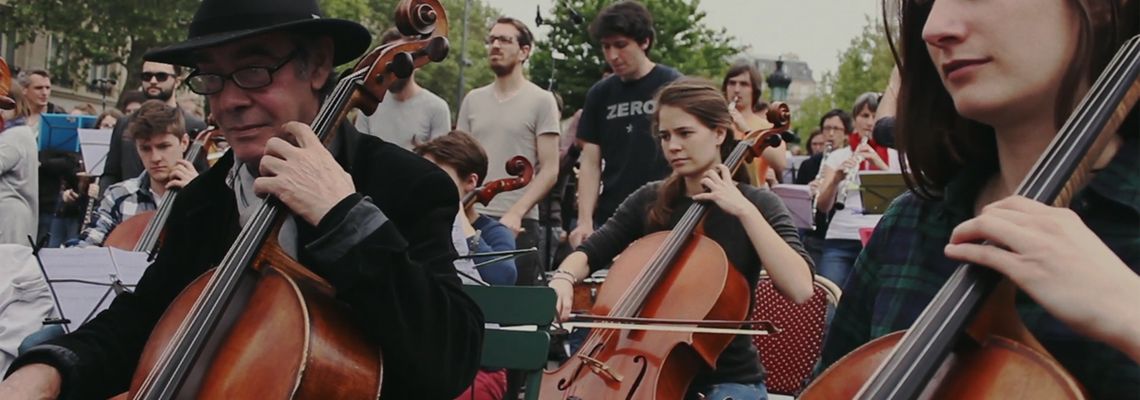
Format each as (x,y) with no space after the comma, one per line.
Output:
(977,107)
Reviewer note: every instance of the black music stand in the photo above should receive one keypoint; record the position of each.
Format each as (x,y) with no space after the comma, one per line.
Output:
(62,320)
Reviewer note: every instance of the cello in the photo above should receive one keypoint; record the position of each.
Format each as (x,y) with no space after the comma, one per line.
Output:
(261,325)
(141,232)
(517,166)
(996,356)
(678,276)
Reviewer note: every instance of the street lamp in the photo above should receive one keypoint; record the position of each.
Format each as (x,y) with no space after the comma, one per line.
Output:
(779,82)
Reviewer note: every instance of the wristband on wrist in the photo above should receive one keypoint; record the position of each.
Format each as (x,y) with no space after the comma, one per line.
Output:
(560,274)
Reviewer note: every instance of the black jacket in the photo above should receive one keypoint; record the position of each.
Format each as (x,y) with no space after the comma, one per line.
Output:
(398,278)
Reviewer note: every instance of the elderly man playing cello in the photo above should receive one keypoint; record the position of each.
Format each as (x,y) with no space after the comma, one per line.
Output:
(371,218)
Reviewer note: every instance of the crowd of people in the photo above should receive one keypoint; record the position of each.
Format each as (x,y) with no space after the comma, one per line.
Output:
(381,214)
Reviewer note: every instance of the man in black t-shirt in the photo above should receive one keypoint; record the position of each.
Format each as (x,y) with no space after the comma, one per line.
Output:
(619,152)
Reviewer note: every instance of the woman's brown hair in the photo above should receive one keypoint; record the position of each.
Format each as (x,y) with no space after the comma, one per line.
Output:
(935,141)
(701,99)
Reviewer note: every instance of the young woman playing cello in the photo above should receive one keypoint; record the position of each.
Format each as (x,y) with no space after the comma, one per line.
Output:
(692,122)
(977,108)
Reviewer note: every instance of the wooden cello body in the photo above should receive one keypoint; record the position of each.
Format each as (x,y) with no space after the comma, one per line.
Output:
(287,329)
(262,325)
(701,285)
(1001,368)
(126,234)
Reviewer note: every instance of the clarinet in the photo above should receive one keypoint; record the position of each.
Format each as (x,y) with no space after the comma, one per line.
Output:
(91,202)
(815,193)
(84,182)
(849,181)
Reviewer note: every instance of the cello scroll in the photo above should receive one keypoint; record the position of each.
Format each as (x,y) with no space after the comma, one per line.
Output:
(780,115)
(425,22)
(517,166)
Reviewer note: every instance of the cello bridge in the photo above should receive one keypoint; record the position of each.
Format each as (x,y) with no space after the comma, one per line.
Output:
(600,368)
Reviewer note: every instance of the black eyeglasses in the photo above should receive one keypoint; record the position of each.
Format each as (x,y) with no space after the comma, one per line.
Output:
(159,76)
(254,77)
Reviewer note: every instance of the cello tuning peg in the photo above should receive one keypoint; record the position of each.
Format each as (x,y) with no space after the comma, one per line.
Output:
(437,49)
(402,65)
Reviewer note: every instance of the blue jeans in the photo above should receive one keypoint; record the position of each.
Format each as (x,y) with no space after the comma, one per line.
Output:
(63,229)
(731,391)
(838,259)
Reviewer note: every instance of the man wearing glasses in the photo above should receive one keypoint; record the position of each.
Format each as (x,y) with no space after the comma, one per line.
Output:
(509,117)
(159,82)
(371,218)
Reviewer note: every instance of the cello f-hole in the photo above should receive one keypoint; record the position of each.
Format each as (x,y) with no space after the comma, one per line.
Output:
(564,384)
(640,375)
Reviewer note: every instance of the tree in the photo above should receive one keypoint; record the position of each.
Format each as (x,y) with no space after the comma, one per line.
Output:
(865,66)
(682,42)
(98,32)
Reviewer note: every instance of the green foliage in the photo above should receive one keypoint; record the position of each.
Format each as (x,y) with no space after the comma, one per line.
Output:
(97,32)
(683,42)
(441,78)
(864,67)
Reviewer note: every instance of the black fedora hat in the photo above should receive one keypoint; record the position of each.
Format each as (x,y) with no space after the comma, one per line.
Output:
(222,21)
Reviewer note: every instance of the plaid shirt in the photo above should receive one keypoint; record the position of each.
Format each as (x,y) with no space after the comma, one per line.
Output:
(903,266)
(120,201)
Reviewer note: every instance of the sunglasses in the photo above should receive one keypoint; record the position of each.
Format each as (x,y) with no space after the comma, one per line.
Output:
(159,76)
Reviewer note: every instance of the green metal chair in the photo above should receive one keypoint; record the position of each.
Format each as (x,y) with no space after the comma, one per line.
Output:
(522,341)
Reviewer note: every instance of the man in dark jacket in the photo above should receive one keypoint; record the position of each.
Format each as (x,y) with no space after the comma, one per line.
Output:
(371,218)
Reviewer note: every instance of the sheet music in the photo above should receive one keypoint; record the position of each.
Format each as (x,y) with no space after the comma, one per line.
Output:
(94,144)
(83,276)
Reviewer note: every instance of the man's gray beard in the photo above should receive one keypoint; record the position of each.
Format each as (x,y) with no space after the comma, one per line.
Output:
(503,70)
(163,95)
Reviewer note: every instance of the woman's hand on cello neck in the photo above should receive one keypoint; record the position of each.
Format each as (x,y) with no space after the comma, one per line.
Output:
(723,192)
(1055,258)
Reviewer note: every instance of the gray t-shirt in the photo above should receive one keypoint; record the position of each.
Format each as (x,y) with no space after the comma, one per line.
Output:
(409,122)
(507,128)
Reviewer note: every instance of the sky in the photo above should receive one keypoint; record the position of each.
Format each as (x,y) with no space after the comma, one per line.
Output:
(815,30)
